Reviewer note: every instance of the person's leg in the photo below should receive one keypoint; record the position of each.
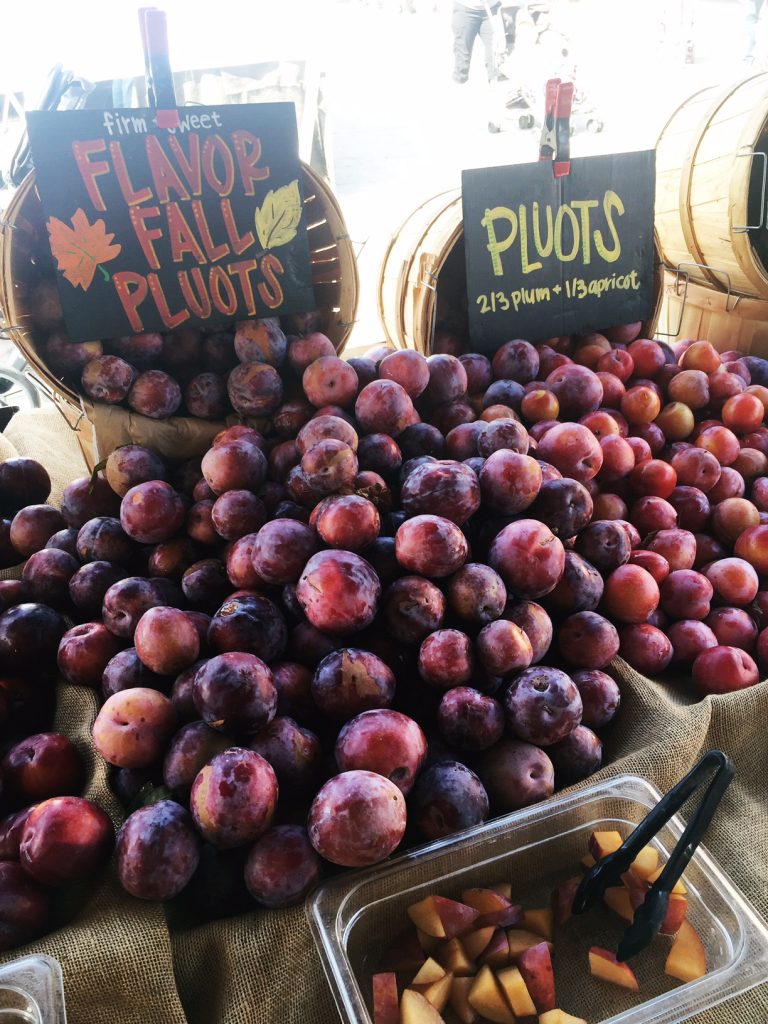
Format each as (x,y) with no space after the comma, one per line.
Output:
(486,35)
(464,32)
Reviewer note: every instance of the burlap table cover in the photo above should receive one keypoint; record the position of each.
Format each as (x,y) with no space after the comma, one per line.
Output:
(123,964)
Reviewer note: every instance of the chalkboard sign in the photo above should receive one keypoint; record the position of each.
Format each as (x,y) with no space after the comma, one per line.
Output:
(548,256)
(153,229)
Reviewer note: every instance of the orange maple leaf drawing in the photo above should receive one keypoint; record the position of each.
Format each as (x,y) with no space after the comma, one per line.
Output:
(80,249)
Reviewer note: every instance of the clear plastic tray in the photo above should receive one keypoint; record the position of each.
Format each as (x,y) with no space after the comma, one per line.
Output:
(354,917)
(32,992)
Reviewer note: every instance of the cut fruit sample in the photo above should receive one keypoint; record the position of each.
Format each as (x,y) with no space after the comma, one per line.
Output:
(588,861)
(678,888)
(441,917)
(485,996)
(516,991)
(603,843)
(453,957)
(604,965)
(494,909)
(619,900)
(404,954)
(520,940)
(385,1003)
(415,1009)
(536,968)
(458,1000)
(675,915)
(562,900)
(429,971)
(484,900)
(539,922)
(646,862)
(438,992)
(496,953)
(687,959)
(560,1017)
(476,942)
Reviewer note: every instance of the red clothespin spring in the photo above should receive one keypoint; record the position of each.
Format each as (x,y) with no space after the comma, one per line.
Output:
(555,142)
(157,62)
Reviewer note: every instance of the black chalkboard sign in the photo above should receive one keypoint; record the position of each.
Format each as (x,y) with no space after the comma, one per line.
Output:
(548,256)
(154,229)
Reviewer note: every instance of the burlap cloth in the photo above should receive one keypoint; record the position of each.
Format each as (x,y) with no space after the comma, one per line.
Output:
(122,964)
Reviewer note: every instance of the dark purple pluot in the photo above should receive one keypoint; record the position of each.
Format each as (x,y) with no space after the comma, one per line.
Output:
(600,697)
(580,754)
(542,705)
(233,693)
(447,798)
(250,623)
(29,637)
(469,720)
(126,670)
(157,851)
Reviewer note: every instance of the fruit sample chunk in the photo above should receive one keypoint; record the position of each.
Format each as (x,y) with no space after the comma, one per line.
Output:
(687,959)
(385,1002)
(429,971)
(536,968)
(520,940)
(619,900)
(415,1009)
(485,996)
(516,991)
(495,910)
(476,942)
(678,888)
(675,915)
(404,953)
(441,917)
(460,988)
(562,900)
(496,953)
(438,992)
(603,843)
(560,1017)
(604,965)
(539,922)
(454,959)
(646,862)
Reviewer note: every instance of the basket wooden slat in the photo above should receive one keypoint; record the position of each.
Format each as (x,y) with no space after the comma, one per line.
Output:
(705,185)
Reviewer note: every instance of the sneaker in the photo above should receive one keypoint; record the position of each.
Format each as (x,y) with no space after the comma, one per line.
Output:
(458,79)
(493,128)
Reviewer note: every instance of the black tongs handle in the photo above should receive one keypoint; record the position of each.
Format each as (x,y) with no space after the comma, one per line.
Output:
(649,915)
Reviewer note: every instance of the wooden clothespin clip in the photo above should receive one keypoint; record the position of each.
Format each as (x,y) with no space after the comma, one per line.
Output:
(157,62)
(555,141)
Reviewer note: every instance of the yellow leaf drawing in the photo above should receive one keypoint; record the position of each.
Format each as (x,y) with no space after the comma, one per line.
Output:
(278,217)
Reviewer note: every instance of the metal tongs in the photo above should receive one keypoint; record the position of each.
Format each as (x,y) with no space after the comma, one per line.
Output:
(555,142)
(649,915)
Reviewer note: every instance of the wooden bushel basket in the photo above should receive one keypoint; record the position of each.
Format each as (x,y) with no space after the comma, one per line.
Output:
(422,282)
(26,265)
(712,187)
(690,309)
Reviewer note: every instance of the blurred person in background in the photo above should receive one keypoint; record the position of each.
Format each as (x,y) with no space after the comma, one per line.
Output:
(473,19)
(754,9)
